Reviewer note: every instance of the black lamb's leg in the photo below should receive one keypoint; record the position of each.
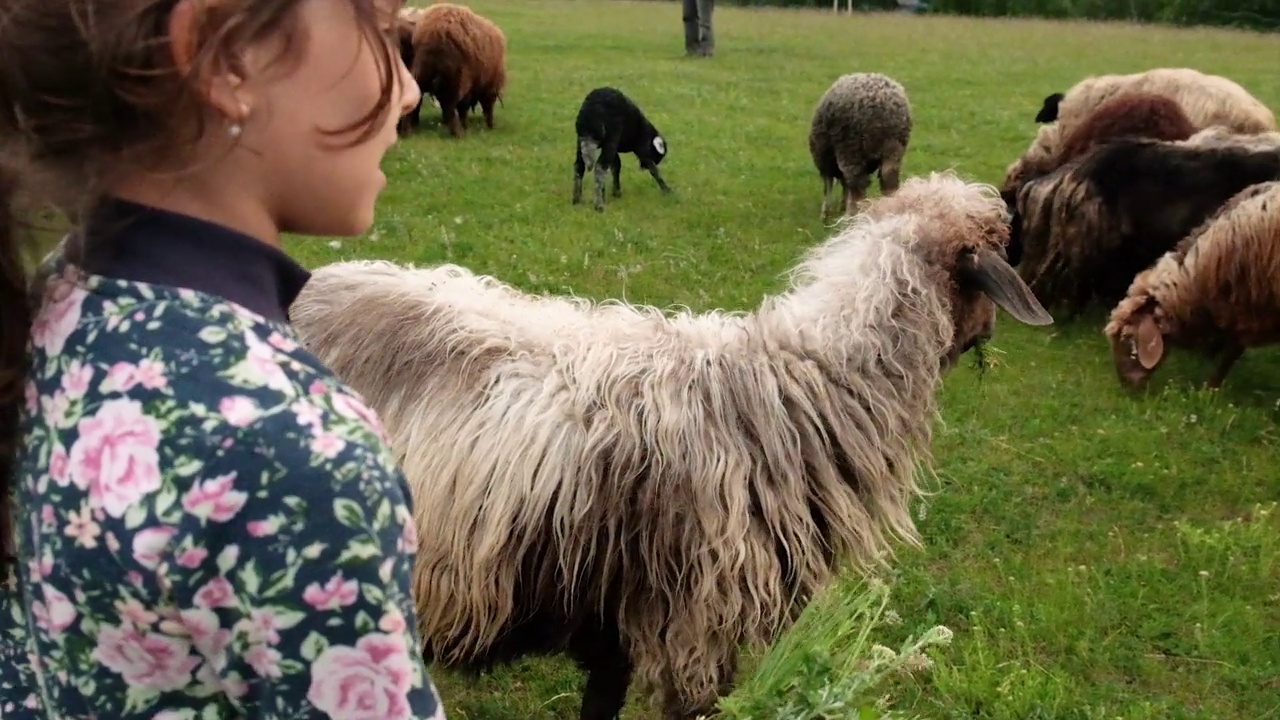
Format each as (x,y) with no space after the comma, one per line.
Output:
(617,176)
(579,170)
(653,170)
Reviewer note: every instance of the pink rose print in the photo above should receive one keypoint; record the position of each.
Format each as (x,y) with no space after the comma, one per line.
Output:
(192,557)
(392,622)
(281,342)
(149,543)
(32,396)
(59,466)
(135,612)
(239,410)
(76,379)
(56,613)
(264,660)
(146,660)
(309,414)
(215,593)
(327,444)
(263,528)
(335,594)
(208,636)
(214,499)
(350,407)
(370,681)
(57,319)
(115,457)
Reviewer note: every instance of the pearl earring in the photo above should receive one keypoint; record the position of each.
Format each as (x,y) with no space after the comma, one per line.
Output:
(234,130)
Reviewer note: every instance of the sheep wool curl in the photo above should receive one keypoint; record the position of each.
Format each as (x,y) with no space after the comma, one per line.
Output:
(861,125)
(1086,229)
(1206,99)
(460,59)
(1217,292)
(649,491)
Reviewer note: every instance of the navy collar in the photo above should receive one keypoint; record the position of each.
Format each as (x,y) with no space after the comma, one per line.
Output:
(129,241)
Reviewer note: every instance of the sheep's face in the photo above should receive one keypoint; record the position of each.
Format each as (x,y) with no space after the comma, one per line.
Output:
(1137,348)
(984,280)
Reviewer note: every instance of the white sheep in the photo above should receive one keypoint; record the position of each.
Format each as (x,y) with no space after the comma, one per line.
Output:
(648,491)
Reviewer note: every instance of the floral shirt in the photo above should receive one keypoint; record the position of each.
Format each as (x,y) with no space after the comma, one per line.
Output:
(210,525)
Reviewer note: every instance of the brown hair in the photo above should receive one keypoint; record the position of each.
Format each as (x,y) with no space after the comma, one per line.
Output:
(89,89)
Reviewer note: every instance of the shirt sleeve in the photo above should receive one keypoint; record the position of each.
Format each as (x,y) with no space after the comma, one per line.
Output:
(290,569)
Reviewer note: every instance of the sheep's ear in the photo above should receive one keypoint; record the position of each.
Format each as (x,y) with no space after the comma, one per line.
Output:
(659,145)
(1001,283)
(1149,341)
(1049,110)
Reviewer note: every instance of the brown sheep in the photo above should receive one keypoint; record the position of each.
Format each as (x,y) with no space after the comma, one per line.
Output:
(1216,292)
(1130,114)
(459,58)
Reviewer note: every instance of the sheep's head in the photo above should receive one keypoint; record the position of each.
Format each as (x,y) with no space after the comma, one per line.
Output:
(657,146)
(964,229)
(1137,340)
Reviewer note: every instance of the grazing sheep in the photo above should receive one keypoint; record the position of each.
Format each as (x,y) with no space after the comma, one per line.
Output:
(1218,291)
(647,491)
(608,124)
(1206,99)
(1127,114)
(1090,226)
(460,59)
(862,125)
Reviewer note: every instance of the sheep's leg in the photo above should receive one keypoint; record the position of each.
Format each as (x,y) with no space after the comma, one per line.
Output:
(677,708)
(486,106)
(657,175)
(854,192)
(617,177)
(1226,361)
(828,183)
(608,675)
(608,156)
(891,168)
(579,170)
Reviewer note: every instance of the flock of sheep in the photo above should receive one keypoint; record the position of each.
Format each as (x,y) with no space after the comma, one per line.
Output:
(646,491)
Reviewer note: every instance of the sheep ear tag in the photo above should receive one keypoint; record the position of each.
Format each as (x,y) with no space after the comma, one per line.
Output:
(660,145)
(1150,343)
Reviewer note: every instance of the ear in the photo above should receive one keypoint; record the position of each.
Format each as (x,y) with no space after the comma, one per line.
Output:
(1149,341)
(220,87)
(998,280)
(1049,110)
(659,145)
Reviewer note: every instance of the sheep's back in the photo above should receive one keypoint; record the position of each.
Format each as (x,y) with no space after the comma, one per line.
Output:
(860,115)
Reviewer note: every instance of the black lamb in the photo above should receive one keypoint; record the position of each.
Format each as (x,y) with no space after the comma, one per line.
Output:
(609,124)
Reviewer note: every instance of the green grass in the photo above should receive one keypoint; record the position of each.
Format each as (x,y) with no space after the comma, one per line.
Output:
(1097,554)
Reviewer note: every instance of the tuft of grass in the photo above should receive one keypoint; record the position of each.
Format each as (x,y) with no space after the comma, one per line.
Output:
(1065,542)
(826,666)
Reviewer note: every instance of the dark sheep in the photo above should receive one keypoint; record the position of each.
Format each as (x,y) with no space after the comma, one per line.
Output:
(609,124)
(1090,226)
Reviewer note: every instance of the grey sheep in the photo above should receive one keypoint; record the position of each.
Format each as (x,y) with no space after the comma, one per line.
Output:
(862,125)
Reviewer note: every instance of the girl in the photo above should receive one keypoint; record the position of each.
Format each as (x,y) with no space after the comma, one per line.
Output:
(199,521)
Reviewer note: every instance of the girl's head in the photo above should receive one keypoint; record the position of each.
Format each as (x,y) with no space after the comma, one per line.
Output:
(268,116)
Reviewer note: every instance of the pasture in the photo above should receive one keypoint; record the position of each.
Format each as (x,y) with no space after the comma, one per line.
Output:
(1097,554)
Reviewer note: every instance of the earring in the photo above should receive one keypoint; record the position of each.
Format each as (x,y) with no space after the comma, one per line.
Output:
(234,130)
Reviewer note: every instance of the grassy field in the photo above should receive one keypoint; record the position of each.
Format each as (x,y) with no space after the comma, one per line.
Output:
(1097,554)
